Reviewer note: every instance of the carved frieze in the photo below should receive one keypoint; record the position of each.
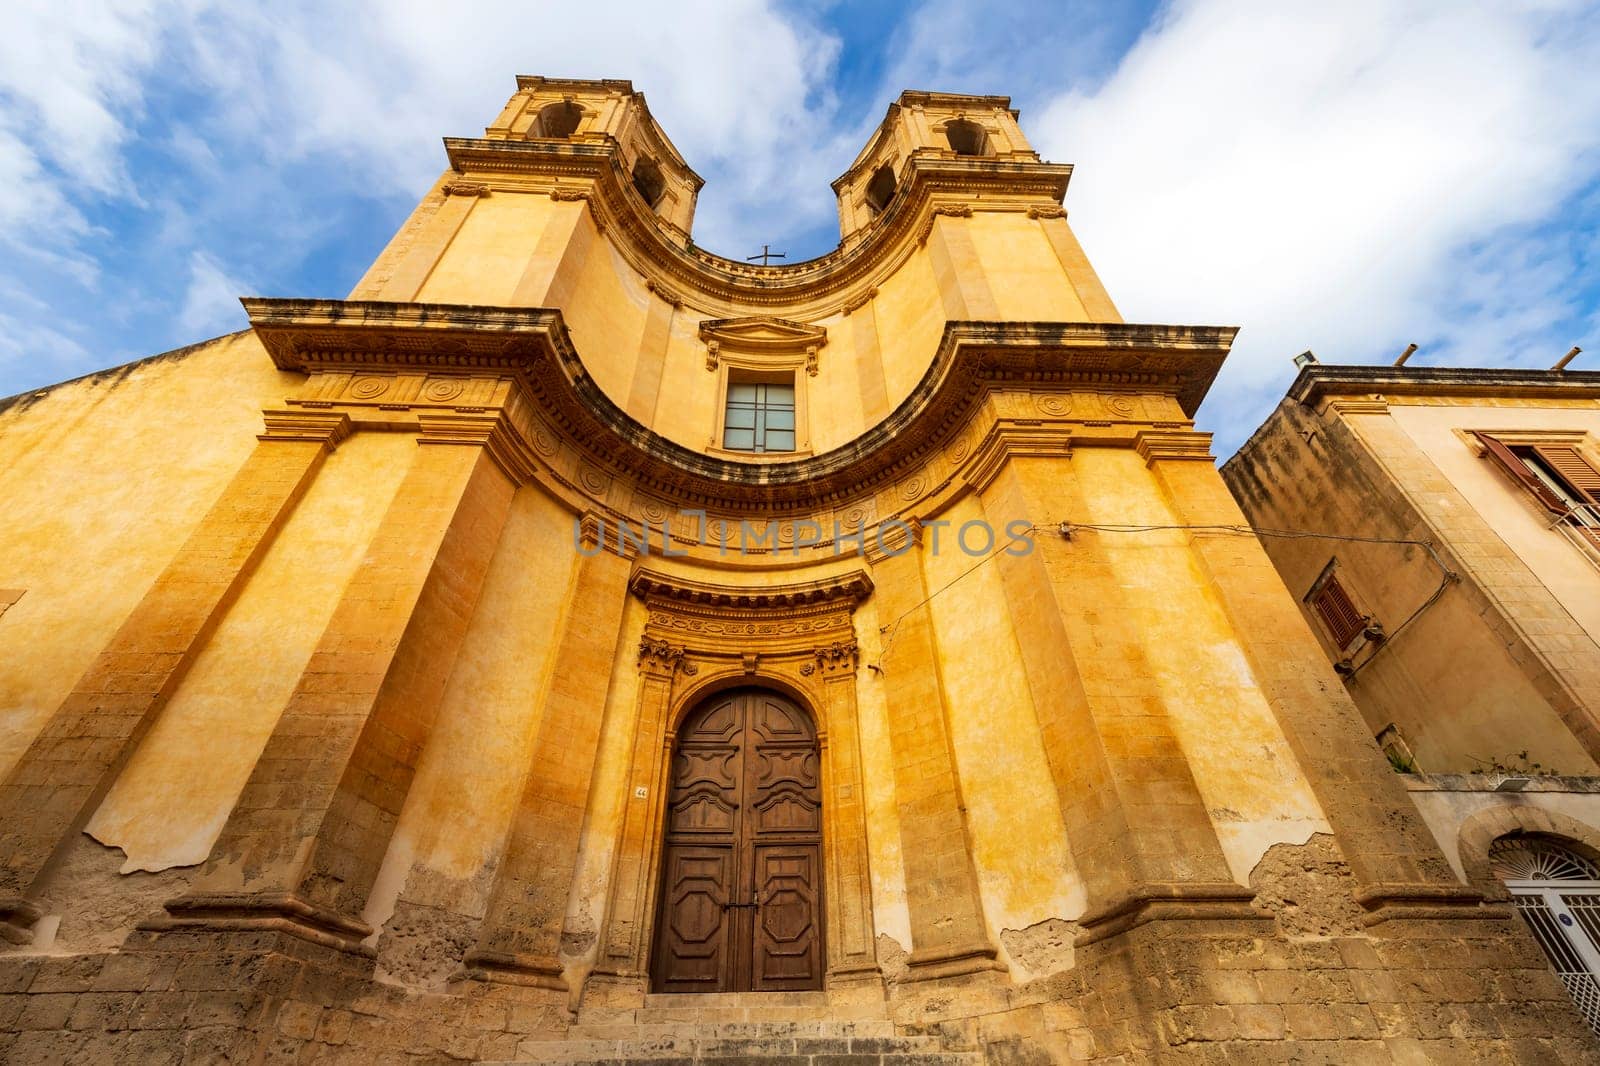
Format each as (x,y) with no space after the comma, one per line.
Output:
(784,625)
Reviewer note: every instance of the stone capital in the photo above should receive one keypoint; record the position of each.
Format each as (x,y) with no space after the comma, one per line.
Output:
(838,659)
(329,428)
(659,657)
(1154,445)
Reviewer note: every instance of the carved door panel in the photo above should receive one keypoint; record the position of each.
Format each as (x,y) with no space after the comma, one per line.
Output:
(741,880)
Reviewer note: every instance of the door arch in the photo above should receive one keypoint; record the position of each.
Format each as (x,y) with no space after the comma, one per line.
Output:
(741,864)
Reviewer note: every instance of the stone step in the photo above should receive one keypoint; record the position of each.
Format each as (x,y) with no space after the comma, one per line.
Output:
(662,1050)
(736,999)
(625,1029)
(940,1058)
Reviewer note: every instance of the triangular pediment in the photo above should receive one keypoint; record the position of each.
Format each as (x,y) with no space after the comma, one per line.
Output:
(763,333)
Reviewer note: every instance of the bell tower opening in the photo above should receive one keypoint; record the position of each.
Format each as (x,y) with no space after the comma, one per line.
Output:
(741,864)
(966,137)
(558,121)
(648,182)
(880,190)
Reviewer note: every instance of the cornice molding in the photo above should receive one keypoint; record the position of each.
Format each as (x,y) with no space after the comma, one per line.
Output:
(531,347)
(654,586)
(1320,381)
(595,172)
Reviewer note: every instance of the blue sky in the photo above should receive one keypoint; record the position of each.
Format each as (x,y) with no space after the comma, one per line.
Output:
(1347,178)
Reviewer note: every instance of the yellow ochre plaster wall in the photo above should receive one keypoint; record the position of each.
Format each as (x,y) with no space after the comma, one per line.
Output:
(101,480)
(172,799)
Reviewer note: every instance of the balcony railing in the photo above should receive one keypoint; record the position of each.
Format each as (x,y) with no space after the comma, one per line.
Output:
(1581,525)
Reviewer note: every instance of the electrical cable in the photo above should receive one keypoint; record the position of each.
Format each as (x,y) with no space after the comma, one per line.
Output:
(1447,575)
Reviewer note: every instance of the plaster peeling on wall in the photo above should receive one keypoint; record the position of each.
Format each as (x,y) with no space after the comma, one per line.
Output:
(386,887)
(1041,949)
(422,946)
(893,958)
(192,850)
(1245,842)
(99,905)
(1308,888)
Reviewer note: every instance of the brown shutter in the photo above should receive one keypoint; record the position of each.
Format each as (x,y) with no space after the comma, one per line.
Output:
(1574,470)
(1338,612)
(1525,477)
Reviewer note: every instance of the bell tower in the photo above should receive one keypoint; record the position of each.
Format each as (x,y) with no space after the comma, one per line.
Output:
(586,116)
(922,129)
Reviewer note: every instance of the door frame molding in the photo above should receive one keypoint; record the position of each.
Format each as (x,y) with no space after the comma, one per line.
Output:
(797,640)
(710,698)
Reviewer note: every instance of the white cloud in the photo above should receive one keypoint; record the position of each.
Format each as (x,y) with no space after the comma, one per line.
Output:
(155,134)
(211,301)
(1317,173)
(1345,177)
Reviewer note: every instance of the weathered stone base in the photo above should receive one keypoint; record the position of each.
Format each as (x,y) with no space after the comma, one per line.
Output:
(1202,990)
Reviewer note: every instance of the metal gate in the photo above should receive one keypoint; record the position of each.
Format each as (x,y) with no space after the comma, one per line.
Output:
(1557,892)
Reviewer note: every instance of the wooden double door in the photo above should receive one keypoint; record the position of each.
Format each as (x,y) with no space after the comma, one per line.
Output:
(741,869)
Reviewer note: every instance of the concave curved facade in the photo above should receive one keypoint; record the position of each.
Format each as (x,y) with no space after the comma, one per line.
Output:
(572,622)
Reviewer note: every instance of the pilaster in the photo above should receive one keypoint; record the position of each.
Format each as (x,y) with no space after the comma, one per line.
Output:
(869,361)
(305,840)
(957,268)
(62,776)
(1138,828)
(521,934)
(948,933)
(623,947)
(552,271)
(419,261)
(1080,272)
(1399,869)
(852,952)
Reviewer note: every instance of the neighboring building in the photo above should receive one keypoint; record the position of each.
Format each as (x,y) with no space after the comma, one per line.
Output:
(349,715)
(1498,471)
(1457,591)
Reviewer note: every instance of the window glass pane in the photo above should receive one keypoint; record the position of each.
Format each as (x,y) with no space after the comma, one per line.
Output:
(780,418)
(780,395)
(741,417)
(742,393)
(779,440)
(740,439)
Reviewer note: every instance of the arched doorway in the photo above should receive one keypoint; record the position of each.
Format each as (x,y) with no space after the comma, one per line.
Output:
(741,865)
(1557,890)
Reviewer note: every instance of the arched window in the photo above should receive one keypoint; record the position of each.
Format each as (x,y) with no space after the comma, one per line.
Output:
(558,120)
(966,137)
(1557,891)
(648,181)
(880,190)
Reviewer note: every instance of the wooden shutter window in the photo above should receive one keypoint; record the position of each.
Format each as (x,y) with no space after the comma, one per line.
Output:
(1573,468)
(1338,612)
(1519,471)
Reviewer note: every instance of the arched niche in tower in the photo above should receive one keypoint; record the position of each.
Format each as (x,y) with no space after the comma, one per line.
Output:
(557,121)
(966,137)
(648,182)
(880,189)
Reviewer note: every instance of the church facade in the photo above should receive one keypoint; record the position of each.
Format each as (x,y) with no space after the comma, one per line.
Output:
(575,643)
